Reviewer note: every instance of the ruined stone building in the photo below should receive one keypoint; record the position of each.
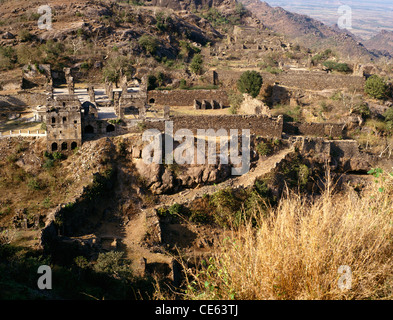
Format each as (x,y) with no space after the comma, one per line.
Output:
(63,123)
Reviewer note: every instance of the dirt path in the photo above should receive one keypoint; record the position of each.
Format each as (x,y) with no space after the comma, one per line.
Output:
(264,166)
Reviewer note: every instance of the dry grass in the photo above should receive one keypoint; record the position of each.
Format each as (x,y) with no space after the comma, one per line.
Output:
(296,251)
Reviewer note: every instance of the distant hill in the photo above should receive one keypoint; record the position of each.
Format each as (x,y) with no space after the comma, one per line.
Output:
(383,42)
(307,31)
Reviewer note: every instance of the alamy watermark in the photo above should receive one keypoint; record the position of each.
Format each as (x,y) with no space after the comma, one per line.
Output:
(44,281)
(45,20)
(345,19)
(345,281)
(192,148)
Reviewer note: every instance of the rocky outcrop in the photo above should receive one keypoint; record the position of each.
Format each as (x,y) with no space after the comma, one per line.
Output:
(163,179)
(254,106)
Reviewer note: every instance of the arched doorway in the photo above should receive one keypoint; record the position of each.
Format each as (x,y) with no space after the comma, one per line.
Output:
(74,145)
(152,100)
(64,146)
(89,129)
(110,128)
(54,146)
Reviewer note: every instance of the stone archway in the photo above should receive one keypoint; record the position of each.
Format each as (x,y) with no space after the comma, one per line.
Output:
(74,145)
(54,146)
(110,128)
(89,129)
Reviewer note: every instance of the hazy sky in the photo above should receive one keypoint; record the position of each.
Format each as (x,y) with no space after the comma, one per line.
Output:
(368,17)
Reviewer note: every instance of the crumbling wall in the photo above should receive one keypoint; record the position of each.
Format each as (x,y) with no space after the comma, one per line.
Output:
(305,80)
(258,125)
(23,98)
(186,97)
(334,130)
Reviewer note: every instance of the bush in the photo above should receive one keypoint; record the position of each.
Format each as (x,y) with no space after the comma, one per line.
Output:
(335,66)
(376,87)
(175,209)
(58,156)
(196,65)
(112,263)
(35,184)
(151,82)
(148,43)
(250,82)
(363,110)
(24,35)
(264,149)
(49,163)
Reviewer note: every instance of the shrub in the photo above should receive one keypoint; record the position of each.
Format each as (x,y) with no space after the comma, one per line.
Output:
(112,263)
(250,82)
(151,82)
(35,184)
(58,156)
(148,43)
(389,118)
(335,66)
(183,84)
(264,149)
(49,163)
(196,65)
(376,87)
(24,35)
(175,209)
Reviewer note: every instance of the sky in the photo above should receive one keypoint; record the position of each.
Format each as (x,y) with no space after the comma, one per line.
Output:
(368,16)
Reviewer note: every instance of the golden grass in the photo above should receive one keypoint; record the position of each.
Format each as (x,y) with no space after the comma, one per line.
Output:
(295,252)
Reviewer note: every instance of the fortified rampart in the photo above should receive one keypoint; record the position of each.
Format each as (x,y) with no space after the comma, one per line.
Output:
(304,80)
(258,125)
(186,97)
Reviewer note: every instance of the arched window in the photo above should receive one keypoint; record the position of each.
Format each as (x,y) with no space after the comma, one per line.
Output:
(64,146)
(64,119)
(74,145)
(89,129)
(53,120)
(110,128)
(54,146)
(152,100)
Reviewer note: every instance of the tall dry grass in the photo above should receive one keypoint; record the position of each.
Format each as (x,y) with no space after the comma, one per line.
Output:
(296,252)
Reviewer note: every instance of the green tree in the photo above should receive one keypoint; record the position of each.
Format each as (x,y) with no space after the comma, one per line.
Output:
(335,66)
(151,82)
(196,64)
(250,82)
(148,43)
(116,66)
(376,87)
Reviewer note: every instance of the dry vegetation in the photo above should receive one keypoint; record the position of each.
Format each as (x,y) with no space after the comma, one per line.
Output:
(296,250)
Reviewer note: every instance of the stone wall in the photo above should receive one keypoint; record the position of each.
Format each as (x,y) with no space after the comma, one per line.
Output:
(258,125)
(186,97)
(23,98)
(305,80)
(334,130)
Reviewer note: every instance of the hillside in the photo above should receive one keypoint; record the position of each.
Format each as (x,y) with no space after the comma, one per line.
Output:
(382,42)
(85,187)
(307,31)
